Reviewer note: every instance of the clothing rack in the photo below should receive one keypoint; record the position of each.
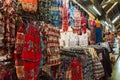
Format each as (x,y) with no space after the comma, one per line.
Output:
(77,55)
(78,49)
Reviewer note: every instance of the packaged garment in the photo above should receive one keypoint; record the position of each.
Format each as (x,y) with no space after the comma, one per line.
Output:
(83,39)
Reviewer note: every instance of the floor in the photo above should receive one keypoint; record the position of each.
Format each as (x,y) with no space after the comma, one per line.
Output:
(116,71)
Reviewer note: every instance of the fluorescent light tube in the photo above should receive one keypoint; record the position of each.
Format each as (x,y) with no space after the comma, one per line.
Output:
(116,19)
(112,7)
(96,10)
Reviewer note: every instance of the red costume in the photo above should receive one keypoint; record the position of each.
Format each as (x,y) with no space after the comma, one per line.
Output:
(31,54)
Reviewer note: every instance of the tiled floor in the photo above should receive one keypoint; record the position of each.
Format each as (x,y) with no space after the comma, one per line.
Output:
(116,71)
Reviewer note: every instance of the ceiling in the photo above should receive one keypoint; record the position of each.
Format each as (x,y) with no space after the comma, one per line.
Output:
(108,10)
(112,10)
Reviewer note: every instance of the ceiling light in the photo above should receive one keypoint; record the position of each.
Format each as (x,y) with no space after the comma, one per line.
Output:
(104,6)
(105,3)
(116,19)
(96,10)
(112,7)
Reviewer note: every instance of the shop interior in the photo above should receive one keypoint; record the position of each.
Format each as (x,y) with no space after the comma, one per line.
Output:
(59,39)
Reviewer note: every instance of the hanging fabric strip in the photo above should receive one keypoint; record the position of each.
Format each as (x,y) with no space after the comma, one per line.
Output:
(65,19)
(77,21)
(71,17)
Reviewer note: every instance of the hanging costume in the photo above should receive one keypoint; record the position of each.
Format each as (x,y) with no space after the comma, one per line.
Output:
(31,54)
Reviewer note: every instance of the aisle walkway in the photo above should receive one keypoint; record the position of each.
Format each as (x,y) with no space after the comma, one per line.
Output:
(116,71)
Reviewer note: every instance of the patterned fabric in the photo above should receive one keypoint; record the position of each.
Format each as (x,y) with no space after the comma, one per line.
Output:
(8,24)
(31,70)
(71,66)
(1,37)
(7,71)
(55,12)
(31,53)
(63,68)
(44,11)
(65,22)
(81,65)
(83,23)
(7,41)
(76,71)
(71,11)
(52,48)
(18,50)
(69,74)
(84,62)
(77,21)
(31,50)
(98,69)
(7,38)
(90,67)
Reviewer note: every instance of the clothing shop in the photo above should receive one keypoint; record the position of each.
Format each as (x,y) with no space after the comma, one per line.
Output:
(53,40)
